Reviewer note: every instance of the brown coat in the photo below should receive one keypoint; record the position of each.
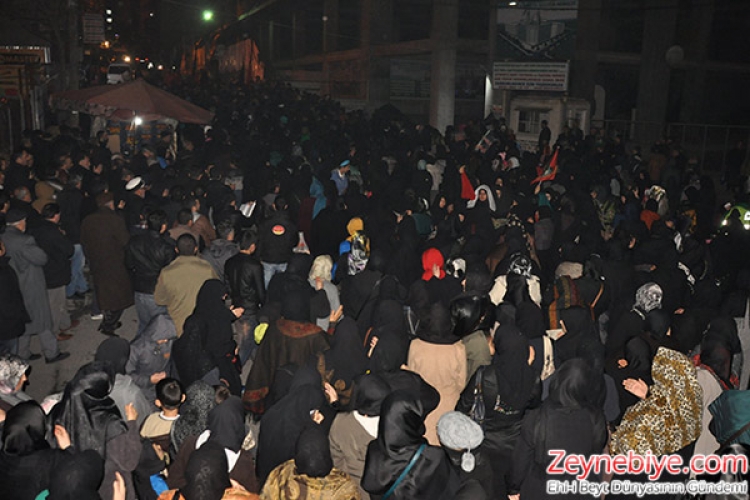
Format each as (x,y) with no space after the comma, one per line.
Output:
(203,228)
(103,237)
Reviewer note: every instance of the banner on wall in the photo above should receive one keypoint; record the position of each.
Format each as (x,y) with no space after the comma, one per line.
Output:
(537,30)
(547,77)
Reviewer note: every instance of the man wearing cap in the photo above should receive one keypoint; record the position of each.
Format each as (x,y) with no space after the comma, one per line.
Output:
(27,259)
(104,237)
(339,177)
(135,202)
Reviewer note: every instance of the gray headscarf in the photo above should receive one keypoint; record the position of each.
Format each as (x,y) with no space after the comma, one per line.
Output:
(648,297)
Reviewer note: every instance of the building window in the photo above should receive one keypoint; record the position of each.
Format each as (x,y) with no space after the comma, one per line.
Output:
(530,120)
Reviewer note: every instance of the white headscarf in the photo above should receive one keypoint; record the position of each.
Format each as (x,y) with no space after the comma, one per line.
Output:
(490,197)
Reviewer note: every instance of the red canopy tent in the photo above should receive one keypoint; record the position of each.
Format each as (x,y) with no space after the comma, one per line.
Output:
(128,100)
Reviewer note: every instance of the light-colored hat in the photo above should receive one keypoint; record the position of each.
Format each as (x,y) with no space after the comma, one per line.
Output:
(135,183)
(459,432)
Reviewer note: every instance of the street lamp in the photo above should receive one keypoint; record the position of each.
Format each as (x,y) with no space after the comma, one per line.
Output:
(208,15)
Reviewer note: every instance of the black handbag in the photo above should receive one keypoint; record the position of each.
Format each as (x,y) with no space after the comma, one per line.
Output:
(477,412)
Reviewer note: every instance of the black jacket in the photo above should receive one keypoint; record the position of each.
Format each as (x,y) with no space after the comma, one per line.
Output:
(243,275)
(145,256)
(13,315)
(71,203)
(278,236)
(59,250)
(501,428)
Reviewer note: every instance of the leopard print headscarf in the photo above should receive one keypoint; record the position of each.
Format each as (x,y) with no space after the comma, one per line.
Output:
(670,417)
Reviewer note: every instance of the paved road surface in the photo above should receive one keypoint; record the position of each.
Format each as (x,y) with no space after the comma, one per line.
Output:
(47,379)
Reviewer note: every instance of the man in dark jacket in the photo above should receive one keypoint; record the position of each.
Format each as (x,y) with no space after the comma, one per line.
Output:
(243,275)
(278,236)
(70,200)
(28,260)
(19,173)
(104,237)
(146,254)
(50,237)
(13,315)
(222,248)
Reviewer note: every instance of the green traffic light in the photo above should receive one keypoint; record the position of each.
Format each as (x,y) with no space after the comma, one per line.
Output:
(208,15)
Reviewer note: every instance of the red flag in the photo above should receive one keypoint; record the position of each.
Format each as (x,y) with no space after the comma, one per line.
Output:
(552,169)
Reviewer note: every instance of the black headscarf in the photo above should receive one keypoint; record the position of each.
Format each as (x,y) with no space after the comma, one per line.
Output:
(206,473)
(24,429)
(282,425)
(580,340)
(393,344)
(312,456)
(346,357)
(400,430)
(369,393)
(437,327)
(77,478)
(467,312)
(295,306)
(116,351)
(657,324)
(400,435)
(530,320)
(716,356)
(87,412)
(211,310)
(515,378)
(573,387)
(639,356)
(227,424)
(724,330)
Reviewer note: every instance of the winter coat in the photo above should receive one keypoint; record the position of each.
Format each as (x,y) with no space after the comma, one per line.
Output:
(146,254)
(243,275)
(71,201)
(104,237)
(27,259)
(148,355)
(443,366)
(59,250)
(278,236)
(203,228)
(178,286)
(218,253)
(13,315)
(501,429)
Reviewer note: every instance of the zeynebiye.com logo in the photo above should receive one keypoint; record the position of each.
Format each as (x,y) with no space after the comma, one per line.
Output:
(582,466)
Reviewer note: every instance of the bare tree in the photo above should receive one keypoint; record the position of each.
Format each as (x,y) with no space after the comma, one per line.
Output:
(53,20)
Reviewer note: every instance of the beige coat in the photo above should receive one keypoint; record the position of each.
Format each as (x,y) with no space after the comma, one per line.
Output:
(443,366)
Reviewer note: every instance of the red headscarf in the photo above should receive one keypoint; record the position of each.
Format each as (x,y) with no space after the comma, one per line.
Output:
(432,257)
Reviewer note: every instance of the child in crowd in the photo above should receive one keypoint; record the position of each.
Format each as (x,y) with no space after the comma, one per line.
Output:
(170,394)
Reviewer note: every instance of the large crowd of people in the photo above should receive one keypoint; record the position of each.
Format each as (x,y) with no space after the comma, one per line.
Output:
(420,314)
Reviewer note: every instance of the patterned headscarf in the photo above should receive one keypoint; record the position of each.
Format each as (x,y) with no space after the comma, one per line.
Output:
(648,297)
(670,417)
(12,369)
(359,253)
